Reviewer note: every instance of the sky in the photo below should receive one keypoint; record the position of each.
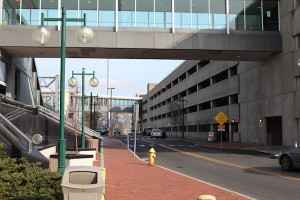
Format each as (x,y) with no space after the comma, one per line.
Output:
(128,77)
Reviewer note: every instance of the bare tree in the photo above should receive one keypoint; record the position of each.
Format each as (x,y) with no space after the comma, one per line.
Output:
(175,109)
(76,125)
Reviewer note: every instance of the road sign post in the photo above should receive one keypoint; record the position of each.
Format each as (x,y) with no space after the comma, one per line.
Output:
(221,118)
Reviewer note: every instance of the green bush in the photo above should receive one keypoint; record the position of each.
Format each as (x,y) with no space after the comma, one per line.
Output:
(21,180)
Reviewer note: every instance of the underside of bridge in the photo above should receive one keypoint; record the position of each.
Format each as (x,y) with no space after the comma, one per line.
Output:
(141,43)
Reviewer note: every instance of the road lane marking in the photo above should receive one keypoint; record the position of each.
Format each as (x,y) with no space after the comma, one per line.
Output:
(229,164)
(142,145)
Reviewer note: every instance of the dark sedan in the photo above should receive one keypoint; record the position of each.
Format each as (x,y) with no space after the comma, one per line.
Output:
(289,159)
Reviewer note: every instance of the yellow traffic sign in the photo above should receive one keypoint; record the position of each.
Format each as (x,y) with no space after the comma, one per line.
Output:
(221,118)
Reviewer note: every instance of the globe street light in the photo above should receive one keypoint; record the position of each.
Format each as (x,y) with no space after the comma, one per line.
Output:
(94,82)
(298,62)
(42,36)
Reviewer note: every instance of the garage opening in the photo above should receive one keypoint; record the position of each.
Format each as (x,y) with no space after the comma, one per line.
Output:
(274,130)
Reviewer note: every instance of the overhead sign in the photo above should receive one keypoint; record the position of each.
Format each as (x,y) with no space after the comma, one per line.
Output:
(221,118)
(221,127)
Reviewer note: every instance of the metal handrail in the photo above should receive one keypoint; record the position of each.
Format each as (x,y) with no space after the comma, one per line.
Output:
(68,121)
(16,133)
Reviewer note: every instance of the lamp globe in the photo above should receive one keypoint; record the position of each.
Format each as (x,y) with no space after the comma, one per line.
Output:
(72,82)
(84,35)
(41,35)
(94,82)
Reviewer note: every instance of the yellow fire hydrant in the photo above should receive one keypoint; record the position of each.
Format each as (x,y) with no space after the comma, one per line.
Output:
(151,156)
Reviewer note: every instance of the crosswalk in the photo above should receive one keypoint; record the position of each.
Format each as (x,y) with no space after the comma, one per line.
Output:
(155,142)
(161,145)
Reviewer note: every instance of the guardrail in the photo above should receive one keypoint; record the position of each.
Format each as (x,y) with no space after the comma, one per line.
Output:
(15,134)
(47,112)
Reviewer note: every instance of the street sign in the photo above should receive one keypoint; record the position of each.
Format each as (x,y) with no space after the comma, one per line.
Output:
(221,127)
(211,136)
(221,118)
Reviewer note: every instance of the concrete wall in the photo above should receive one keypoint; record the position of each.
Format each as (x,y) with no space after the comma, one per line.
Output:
(269,88)
(27,91)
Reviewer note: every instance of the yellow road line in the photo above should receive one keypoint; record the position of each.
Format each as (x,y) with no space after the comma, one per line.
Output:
(228,163)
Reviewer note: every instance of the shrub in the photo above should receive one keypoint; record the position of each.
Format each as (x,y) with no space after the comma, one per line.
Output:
(21,180)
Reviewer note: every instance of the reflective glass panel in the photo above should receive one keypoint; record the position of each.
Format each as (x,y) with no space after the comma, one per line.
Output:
(30,12)
(50,10)
(163,13)
(3,69)
(107,12)
(217,14)
(200,17)
(270,15)
(182,14)
(90,8)
(144,13)
(72,10)
(253,15)
(126,13)
(236,14)
(11,12)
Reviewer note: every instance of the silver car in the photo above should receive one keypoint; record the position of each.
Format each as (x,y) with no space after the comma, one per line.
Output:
(289,159)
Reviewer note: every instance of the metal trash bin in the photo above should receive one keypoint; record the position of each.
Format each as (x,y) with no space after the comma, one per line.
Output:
(82,183)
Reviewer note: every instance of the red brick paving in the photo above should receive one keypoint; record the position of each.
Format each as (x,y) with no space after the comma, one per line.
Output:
(129,178)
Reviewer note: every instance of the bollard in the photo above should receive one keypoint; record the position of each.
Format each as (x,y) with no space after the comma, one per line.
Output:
(206,197)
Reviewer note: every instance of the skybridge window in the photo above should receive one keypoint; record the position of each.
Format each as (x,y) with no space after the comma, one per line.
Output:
(107,13)
(163,13)
(188,14)
(144,13)
(126,13)
(90,8)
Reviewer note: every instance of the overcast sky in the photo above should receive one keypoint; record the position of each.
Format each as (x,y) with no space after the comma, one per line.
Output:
(129,77)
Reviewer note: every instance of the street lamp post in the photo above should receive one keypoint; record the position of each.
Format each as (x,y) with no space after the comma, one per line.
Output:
(182,105)
(110,106)
(94,82)
(42,36)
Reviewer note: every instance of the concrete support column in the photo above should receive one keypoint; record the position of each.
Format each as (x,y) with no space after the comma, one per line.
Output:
(230,131)
(211,130)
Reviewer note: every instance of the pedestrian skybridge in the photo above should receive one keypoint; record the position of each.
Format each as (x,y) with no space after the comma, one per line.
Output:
(169,29)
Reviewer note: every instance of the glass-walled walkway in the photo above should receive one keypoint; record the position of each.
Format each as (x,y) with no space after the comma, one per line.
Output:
(176,14)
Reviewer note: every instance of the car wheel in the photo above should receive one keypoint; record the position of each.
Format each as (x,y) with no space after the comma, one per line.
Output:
(286,163)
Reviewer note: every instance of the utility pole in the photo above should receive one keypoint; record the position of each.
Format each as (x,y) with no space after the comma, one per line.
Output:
(91,111)
(110,106)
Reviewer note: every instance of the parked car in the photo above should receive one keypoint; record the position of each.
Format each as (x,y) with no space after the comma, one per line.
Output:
(158,133)
(117,131)
(289,159)
(102,130)
(148,132)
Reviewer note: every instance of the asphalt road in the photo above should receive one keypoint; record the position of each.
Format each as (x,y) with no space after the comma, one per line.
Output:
(255,175)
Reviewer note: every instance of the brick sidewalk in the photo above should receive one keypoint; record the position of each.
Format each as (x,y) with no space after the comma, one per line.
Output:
(129,178)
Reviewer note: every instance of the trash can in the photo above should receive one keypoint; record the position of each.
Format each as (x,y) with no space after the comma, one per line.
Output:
(82,183)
